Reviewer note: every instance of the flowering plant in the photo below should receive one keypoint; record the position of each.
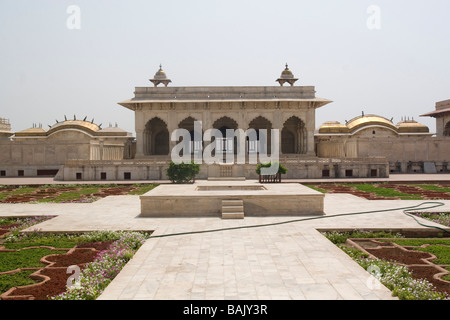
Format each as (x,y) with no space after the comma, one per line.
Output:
(96,276)
(398,278)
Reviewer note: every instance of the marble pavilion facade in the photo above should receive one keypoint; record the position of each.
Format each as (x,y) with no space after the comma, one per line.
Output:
(366,146)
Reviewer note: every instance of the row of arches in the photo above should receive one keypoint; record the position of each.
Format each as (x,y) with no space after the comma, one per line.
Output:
(293,135)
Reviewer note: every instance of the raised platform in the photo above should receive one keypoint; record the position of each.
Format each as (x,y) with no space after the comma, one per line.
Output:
(205,199)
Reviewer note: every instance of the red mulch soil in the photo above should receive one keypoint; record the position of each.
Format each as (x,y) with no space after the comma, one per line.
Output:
(100,246)
(75,256)
(55,282)
(429,273)
(401,256)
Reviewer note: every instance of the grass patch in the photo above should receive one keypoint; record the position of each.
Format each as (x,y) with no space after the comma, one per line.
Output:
(418,242)
(432,187)
(439,247)
(446,277)
(5,221)
(18,279)
(384,192)
(17,191)
(340,237)
(442,253)
(376,189)
(56,241)
(72,195)
(26,258)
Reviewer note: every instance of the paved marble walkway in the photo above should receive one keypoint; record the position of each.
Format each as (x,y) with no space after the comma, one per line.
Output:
(256,260)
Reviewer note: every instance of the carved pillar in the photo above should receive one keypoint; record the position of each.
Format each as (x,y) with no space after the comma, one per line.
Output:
(310,127)
(140,140)
(139,122)
(277,123)
(172,124)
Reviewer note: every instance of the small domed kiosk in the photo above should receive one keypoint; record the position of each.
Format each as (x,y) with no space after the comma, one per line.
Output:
(160,77)
(287,77)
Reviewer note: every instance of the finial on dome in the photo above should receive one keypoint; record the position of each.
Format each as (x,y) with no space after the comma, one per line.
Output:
(287,76)
(160,77)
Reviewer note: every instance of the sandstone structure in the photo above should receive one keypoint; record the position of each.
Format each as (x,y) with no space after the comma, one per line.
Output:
(39,152)
(365,146)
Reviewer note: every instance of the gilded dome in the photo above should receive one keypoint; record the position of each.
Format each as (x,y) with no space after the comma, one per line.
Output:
(369,120)
(34,131)
(411,126)
(333,127)
(75,124)
(364,121)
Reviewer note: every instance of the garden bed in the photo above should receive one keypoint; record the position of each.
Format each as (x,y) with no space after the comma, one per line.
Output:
(413,268)
(68,193)
(42,271)
(421,264)
(52,279)
(389,191)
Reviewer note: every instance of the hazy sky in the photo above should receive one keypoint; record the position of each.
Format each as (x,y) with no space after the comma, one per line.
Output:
(47,70)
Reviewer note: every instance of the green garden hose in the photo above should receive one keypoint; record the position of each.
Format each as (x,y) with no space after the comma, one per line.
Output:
(406,210)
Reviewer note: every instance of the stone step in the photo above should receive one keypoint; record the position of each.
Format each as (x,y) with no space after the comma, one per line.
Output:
(232,209)
(232,215)
(232,203)
(226,178)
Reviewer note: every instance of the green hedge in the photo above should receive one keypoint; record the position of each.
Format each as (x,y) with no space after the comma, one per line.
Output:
(182,172)
(281,169)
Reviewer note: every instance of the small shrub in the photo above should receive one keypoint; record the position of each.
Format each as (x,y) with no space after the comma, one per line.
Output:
(281,169)
(182,172)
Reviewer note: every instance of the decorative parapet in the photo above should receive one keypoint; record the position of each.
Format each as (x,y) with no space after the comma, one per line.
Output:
(224,93)
(5,124)
(286,160)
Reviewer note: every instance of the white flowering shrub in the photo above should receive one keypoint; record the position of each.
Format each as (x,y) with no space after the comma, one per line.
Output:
(96,276)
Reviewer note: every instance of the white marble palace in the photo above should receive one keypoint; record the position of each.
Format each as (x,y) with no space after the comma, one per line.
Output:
(365,146)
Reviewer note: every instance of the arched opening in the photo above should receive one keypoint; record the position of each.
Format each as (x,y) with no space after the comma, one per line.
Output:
(293,136)
(263,143)
(196,145)
(156,137)
(225,145)
(287,142)
(447,130)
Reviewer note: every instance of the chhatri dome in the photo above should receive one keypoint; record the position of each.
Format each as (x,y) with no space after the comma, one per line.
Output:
(286,76)
(160,77)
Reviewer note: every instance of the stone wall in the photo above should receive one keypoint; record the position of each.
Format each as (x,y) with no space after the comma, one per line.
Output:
(406,154)
(155,169)
(45,155)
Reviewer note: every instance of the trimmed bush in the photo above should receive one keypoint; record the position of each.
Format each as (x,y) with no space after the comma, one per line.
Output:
(182,172)
(281,169)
